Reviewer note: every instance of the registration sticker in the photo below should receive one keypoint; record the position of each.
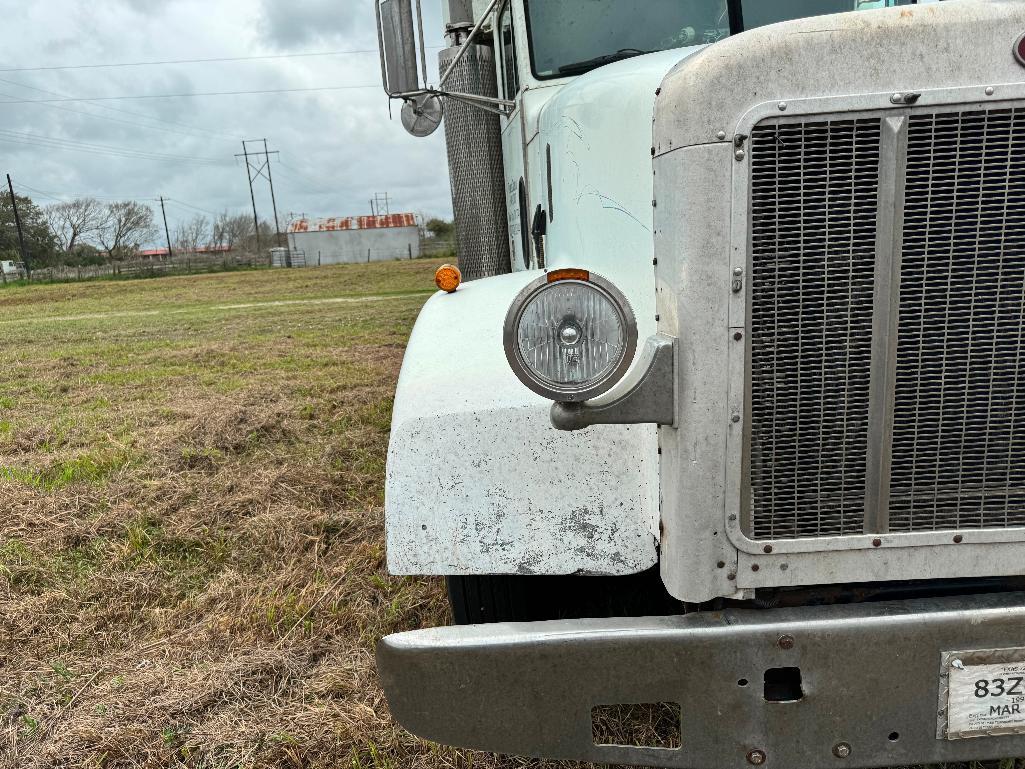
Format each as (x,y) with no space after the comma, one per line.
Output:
(985,693)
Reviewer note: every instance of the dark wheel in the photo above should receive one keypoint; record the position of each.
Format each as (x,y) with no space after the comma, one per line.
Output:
(478,600)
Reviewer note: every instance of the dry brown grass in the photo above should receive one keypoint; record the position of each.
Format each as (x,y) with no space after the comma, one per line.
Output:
(191,548)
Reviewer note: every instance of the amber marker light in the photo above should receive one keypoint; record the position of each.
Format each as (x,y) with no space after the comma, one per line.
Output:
(557,275)
(448,277)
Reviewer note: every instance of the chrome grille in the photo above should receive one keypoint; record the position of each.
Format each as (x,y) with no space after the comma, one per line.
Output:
(958,456)
(813,242)
(953,456)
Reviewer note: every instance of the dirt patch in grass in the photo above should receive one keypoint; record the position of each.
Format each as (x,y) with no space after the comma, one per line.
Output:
(191,547)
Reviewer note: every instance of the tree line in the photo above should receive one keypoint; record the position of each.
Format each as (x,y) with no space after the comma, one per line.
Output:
(86,231)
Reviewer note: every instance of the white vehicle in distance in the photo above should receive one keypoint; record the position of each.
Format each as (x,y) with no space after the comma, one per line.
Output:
(12,270)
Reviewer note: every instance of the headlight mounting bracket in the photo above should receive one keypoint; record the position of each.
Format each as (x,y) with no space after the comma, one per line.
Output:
(650,396)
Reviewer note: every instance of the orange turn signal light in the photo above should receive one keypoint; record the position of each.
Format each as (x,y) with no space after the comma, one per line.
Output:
(448,277)
(557,275)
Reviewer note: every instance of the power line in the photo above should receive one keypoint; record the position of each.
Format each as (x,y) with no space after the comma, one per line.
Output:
(109,147)
(73,196)
(144,198)
(35,140)
(40,192)
(194,94)
(193,61)
(189,205)
(59,142)
(113,119)
(109,109)
(299,176)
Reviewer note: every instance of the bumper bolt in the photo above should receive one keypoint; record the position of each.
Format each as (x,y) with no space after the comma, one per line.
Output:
(842,750)
(756,757)
(786,642)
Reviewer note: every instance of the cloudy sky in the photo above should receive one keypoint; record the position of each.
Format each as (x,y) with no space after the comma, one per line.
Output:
(338,147)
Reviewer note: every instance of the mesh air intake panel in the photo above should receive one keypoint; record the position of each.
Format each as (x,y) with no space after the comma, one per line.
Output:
(476,169)
(949,450)
(813,242)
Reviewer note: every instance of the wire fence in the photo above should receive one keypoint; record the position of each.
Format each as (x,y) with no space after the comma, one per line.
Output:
(150,268)
(189,264)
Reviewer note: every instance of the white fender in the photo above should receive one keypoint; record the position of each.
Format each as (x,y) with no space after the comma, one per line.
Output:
(478,480)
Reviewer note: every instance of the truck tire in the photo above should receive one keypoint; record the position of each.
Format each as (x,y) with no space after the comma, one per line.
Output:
(483,599)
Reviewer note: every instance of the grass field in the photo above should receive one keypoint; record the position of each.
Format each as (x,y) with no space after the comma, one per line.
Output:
(191,547)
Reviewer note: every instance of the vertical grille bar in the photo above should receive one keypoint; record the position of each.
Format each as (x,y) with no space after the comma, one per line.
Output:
(813,241)
(892,176)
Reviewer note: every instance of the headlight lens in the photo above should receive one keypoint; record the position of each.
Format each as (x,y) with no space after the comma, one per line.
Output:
(570,339)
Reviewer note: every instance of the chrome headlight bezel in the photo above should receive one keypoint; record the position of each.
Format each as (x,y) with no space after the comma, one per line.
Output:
(553,390)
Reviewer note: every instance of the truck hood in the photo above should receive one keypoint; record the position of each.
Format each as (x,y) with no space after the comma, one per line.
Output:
(599,129)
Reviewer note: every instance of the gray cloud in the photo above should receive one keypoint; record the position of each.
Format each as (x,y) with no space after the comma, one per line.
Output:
(302,22)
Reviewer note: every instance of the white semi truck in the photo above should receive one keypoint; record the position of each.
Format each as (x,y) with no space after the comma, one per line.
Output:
(720,443)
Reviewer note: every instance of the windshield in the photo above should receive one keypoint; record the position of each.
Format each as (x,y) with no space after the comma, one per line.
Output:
(570,37)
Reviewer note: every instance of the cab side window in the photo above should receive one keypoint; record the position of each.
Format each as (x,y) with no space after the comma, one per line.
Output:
(507,38)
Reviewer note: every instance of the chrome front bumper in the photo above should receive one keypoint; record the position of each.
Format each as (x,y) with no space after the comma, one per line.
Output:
(869,673)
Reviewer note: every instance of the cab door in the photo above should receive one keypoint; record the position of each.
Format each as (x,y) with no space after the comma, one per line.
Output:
(517,190)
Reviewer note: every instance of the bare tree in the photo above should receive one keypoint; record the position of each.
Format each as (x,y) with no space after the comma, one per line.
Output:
(190,235)
(75,221)
(231,231)
(126,225)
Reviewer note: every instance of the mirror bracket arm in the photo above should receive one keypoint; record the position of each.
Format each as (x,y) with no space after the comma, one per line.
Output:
(500,106)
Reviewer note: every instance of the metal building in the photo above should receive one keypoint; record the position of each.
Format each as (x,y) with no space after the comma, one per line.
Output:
(355,239)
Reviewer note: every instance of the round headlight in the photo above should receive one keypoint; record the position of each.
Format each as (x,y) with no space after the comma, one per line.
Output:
(570,336)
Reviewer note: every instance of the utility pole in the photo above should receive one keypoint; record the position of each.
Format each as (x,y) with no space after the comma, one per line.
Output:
(21,235)
(274,203)
(273,200)
(252,196)
(255,168)
(167,232)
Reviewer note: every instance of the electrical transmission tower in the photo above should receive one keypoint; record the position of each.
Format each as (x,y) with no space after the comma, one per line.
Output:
(381,204)
(258,166)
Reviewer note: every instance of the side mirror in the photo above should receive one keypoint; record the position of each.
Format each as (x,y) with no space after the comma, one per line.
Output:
(401,40)
(398,42)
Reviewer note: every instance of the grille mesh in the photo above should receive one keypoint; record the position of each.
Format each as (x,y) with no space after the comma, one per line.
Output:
(813,243)
(959,423)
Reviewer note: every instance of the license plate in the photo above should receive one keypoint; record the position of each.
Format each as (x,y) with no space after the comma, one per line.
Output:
(985,693)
